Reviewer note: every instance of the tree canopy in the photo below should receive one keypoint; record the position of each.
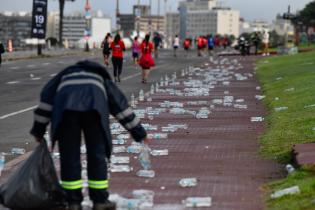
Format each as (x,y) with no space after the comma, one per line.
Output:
(307,15)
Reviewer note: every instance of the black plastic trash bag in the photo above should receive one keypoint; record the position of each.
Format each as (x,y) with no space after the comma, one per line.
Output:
(35,184)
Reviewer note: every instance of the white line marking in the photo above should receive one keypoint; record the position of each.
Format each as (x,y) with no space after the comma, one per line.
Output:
(18,112)
(46,64)
(131,76)
(52,75)
(36,78)
(13,82)
(15,67)
(30,66)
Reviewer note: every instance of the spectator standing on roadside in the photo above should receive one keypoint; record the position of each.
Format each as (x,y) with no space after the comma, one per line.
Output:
(1,52)
(175,45)
(106,48)
(135,50)
(146,60)
(118,47)
(265,41)
(80,99)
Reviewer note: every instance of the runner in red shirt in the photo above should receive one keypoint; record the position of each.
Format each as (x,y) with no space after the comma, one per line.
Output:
(117,47)
(146,60)
(200,44)
(186,45)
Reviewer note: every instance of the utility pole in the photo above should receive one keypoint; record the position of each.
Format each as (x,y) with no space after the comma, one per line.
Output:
(88,17)
(117,16)
(158,19)
(150,18)
(138,14)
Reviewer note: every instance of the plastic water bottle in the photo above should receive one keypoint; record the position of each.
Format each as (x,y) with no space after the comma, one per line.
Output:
(134,148)
(290,169)
(118,141)
(152,89)
(188,182)
(286,191)
(120,168)
(197,202)
(120,159)
(157,87)
(144,157)
(166,80)
(256,119)
(2,162)
(141,95)
(281,108)
(161,82)
(146,173)
(17,151)
(130,204)
(47,138)
(145,196)
(132,101)
(119,149)
(157,135)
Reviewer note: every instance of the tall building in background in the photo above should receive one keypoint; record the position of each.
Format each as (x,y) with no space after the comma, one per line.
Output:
(139,20)
(15,27)
(74,26)
(202,17)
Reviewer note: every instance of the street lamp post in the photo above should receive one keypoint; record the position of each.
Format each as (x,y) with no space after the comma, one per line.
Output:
(158,19)
(138,14)
(88,17)
(150,18)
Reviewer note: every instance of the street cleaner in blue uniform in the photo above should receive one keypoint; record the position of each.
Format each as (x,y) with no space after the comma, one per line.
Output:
(80,99)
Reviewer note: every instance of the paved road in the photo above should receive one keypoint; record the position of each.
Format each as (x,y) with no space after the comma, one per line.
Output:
(21,82)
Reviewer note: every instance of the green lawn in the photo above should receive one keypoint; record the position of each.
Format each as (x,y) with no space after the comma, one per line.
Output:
(289,81)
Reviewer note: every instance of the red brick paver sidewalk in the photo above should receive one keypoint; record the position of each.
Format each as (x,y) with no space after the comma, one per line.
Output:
(220,151)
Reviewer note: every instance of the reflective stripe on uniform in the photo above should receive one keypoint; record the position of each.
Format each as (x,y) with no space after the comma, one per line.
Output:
(45,106)
(126,113)
(83,73)
(132,124)
(82,82)
(72,185)
(93,184)
(41,119)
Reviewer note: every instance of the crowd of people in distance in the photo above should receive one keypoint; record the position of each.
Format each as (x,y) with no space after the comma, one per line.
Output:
(206,45)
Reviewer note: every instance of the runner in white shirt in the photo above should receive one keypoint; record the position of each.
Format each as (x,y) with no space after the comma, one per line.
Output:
(175,44)
(265,41)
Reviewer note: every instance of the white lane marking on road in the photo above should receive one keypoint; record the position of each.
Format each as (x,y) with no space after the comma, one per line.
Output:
(52,75)
(18,112)
(30,66)
(35,78)
(13,82)
(46,64)
(131,76)
(15,67)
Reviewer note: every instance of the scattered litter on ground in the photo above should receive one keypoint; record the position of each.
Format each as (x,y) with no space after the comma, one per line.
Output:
(286,191)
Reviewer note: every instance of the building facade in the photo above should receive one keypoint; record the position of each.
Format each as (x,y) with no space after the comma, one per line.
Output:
(141,20)
(172,27)
(74,27)
(15,27)
(203,17)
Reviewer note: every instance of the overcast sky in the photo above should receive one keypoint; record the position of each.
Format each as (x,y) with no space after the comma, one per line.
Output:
(250,9)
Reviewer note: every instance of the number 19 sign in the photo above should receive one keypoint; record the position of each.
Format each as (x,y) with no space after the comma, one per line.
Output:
(39,19)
